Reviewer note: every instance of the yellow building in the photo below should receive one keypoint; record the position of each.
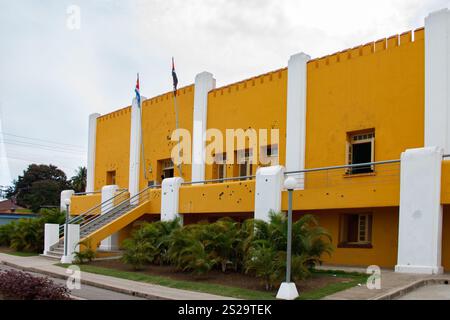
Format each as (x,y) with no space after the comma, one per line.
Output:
(363,131)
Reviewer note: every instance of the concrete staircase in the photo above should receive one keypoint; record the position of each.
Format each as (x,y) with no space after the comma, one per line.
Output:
(94,223)
(56,251)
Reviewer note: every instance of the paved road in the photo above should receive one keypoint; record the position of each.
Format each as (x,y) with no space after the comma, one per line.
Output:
(431,292)
(86,291)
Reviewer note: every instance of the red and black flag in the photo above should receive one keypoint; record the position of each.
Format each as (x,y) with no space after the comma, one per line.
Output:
(175,79)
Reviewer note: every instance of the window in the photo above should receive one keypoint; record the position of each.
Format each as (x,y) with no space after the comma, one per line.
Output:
(220,166)
(245,162)
(166,168)
(361,150)
(356,230)
(269,155)
(111,177)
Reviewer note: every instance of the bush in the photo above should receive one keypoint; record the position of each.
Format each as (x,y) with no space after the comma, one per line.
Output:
(254,247)
(149,244)
(24,286)
(264,261)
(86,255)
(138,253)
(28,234)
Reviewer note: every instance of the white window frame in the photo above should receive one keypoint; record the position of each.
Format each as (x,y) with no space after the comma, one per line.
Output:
(358,138)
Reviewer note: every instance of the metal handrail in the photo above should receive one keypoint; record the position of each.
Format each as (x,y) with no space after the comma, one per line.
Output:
(85,193)
(128,200)
(343,166)
(91,211)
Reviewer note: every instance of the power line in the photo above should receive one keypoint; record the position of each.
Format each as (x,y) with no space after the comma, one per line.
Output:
(42,147)
(43,140)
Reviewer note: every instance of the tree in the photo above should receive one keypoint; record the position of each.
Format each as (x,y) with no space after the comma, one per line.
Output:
(40,185)
(78,181)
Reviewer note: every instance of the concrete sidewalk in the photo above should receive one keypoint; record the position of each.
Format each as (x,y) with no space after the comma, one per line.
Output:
(393,285)
(46,266)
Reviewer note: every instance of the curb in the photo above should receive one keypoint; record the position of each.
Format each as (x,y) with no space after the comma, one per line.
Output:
(88,282)
(396,293)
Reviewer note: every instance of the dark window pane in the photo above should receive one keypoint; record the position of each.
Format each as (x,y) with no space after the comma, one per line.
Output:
(362,153)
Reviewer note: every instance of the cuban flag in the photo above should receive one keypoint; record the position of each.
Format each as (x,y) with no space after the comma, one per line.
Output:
(138,95)
(175,78)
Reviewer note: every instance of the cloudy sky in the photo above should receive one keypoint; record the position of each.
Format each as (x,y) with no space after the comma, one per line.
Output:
(52,76)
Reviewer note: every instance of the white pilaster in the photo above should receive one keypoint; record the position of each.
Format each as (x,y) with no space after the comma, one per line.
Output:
(135,148)
(437,82)
(65,194)
(73,240)
(296,114)
(420,218)
(170,193)
(111,242)
(269,183)
(204,82)
(51,236)
(90,179)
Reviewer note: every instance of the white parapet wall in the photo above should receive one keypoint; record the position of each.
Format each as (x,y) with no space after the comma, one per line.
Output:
(420,218)
(269,184)
(51,236)
(135,147)
(296,115)
(437,80)
(204,82)
(72,233)
(170,192)
(108,192)
(92,138)
(65,195)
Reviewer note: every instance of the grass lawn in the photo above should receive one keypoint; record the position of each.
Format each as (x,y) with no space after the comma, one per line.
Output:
(223,290)
(10,251)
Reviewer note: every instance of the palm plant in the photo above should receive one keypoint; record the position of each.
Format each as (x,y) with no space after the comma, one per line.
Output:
(79,180)
(138,253)
(264,262)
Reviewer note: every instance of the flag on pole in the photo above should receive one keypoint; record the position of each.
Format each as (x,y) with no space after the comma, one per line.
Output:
(175,79)
(138,95)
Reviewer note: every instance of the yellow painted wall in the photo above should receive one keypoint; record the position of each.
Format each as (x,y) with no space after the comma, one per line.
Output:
(81,204)
(113,147)
(375,86)
(217,198)
(158,124)
(257,103)
(384,238)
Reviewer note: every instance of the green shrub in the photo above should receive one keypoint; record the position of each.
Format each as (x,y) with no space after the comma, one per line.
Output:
(255,247)
(264,261)
(87,255)
(138,253)
(28,234)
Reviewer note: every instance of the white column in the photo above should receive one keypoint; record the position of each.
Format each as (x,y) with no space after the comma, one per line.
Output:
(170,194)
(90,179)
(204,82)
(296,115)
(65,194)
(51,236)
(269,184)
(73,241)
(111,242)
(437,82)
(420,218)
(135,148)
